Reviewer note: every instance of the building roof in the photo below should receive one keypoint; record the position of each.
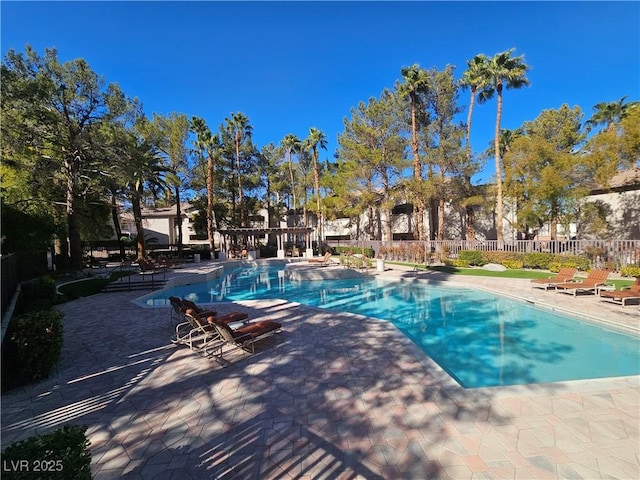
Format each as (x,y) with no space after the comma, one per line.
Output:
(164,212)
(626,178)
(621,182)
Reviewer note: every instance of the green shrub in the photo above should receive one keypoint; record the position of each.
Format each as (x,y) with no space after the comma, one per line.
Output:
(537,260)
(457,263)
(471,257)
(60,455)
(630,271)
(513,264)
(575,261)
(554,267)
(33,347)
(38,294)
(553,262)
(500,256)
(367,252)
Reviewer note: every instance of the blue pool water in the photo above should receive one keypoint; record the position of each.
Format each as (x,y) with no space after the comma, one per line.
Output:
(479,339)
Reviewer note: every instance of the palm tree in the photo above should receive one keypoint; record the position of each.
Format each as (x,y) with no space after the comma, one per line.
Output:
(240,129)
(291,143)
(206,142)
(502,71)
(415,83)
(507,137)
(140,166)
(316,139)
(610,113)
(474,78)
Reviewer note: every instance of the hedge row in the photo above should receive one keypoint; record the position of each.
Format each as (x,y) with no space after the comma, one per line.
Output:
(38,294)
(30,350)
(514,260)
(60,455)
(34,337)
(365,251)
(32,347)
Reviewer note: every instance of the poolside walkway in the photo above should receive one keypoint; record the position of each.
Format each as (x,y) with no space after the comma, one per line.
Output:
(333,396)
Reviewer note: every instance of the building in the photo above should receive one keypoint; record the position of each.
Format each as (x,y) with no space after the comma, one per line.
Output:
(619,201)
(161,225)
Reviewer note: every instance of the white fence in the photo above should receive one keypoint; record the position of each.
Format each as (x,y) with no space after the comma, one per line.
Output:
(610,254)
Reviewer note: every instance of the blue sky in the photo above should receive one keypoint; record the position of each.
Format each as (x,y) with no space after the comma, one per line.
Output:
(293,65)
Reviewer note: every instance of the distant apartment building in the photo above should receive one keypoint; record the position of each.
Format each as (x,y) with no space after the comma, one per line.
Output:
(620,199)
(161,225)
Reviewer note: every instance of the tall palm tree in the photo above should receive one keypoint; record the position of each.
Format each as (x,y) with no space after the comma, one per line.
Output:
(291,143)
(140,165)
(415,83)
(316,139)
(502,71)
(610,113)
(241,130)
(206,142)
(474,78)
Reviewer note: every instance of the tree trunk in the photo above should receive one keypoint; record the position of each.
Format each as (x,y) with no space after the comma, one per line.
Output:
(417,170)
(234,213)
(240,196)
(179,221)
(316,180)
(371,224)
(75,245)
(433,207)
(137,218)
(496,146)
(212,246)
(116,224)
(293,189)
(387,226)
(441,219)
(470,231)
(553,223)
(433,219)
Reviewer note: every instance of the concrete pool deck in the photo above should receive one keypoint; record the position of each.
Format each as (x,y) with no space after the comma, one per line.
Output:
(334,395)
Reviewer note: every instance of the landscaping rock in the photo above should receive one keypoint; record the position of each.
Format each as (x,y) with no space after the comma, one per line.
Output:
(494,267)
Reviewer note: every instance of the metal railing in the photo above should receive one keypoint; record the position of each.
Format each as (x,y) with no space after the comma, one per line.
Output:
(128,281)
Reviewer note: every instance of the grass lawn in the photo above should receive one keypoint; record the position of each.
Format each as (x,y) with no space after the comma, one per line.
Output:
(90,286)
(479,272)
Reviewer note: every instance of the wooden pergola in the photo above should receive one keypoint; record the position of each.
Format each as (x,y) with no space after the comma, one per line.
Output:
(280,232)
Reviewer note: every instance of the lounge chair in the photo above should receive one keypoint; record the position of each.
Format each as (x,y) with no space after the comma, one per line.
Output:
(196,310)
(244,337)
(321,260)
(197,331)
(197,334)
(630,293)
(177,309)
(590,284)
(150,267)
(565,275)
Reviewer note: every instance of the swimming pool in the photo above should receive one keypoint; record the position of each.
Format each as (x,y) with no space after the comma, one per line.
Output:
(479,339)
